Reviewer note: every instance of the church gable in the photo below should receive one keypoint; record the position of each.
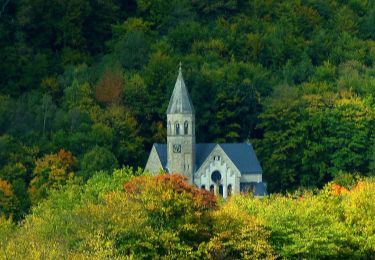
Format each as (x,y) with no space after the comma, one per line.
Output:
(154,163)
(217,155)
(218,173)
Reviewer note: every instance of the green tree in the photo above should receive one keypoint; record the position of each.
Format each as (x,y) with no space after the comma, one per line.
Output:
(16,162)
(127,142)
(97,159)
(313,134)
(132,50)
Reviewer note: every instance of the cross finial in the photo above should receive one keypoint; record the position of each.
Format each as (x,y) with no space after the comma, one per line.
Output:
(180,69)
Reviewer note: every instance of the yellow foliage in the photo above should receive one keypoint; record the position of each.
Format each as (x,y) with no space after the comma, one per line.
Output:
(336,189)
(62,160)
(51,171)
(214,45)
(6,188)
(50,84)
(237,235)
(359,211)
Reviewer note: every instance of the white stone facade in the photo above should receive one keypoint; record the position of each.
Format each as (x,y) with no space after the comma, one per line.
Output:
(219,162)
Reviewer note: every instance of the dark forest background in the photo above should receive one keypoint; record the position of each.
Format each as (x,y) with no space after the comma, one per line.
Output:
(84,86)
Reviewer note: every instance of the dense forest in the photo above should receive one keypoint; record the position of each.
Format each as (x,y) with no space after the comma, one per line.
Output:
(84,86)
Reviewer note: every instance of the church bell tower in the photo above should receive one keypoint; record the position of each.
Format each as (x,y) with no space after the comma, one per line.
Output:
(181,131)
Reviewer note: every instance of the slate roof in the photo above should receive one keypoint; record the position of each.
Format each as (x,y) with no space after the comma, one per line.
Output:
(241,154)
(180,102)
(161,149)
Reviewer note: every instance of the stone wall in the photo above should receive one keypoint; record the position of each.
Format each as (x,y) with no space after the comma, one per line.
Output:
(182,161)
(153,164)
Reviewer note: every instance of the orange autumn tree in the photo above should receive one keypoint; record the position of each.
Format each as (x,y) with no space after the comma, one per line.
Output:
(178,213)
(336,189)
(51,172)
(184,222)
(161,193)
(110,87)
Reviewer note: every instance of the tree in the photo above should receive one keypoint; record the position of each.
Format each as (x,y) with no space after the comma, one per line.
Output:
(127,142)
(159,76)
(372,159)
(16,162)
(4,106)
(282,143)
(97,159)
(51,172)
(79,97)
(132,50)
(59,25)
(46,112)
(237,235)
(110,87)
(164,14)
(6,194)
(312,134)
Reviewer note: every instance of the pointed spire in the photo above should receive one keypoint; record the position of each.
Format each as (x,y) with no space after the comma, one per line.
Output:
(180,102)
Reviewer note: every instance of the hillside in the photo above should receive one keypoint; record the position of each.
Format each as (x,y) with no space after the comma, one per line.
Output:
(84,86)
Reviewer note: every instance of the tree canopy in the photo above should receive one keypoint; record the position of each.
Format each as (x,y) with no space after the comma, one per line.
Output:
(127,214)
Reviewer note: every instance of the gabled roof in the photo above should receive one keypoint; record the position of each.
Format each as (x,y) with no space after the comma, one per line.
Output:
(161,149)
(241,154)
(202,151)
(180,102)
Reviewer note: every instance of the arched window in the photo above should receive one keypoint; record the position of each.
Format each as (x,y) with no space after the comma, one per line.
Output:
(169,128)
(212,189)
(177,128)
(186,127)
(203,187)
(216,177)
(221,190)
(229,190)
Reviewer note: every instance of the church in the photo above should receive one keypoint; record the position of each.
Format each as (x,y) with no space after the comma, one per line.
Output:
(223,168)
